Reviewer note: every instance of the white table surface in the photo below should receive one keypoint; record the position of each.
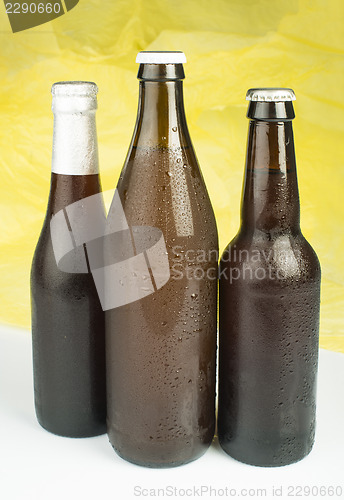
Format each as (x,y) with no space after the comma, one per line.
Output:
(37,465)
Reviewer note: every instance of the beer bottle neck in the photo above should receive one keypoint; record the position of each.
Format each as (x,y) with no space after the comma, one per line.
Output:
(270,201)
(67,189)
(75,170)
(161,118)
(75,149)
(75,152)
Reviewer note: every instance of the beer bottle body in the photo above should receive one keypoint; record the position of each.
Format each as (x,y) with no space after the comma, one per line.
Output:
(161,349)
(67,319)
(269,312)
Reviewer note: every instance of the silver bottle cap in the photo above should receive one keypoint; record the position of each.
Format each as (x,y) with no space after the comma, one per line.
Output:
(75,150)
(71,89)
(160,57)
(74,97)
(270,94)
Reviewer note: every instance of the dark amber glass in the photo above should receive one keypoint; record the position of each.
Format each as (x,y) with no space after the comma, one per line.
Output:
(67,330)
(269,306)
(161,349)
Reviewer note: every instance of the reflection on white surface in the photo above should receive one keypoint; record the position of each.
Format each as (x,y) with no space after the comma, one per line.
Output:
(37,465)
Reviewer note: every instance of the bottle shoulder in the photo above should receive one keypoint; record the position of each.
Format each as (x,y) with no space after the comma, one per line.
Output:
(47,277)
(284,258)
(165,189)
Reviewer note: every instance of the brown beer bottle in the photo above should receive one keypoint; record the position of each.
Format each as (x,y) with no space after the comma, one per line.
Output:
(68,331)
(269,302)
(161,348)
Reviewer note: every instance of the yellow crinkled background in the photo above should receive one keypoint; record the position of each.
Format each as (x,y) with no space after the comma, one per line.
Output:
(231,45)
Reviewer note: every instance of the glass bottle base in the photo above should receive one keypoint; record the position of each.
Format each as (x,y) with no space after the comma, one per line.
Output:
(162,462)
(256,455)
(75,432)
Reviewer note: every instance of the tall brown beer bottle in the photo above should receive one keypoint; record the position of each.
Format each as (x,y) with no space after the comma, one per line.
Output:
(161,348)
(269,302)
(67,319)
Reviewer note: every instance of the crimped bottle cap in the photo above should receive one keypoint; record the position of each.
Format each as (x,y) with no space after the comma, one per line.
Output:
(270,94)
(73,89)
(160,57)
(74,97)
